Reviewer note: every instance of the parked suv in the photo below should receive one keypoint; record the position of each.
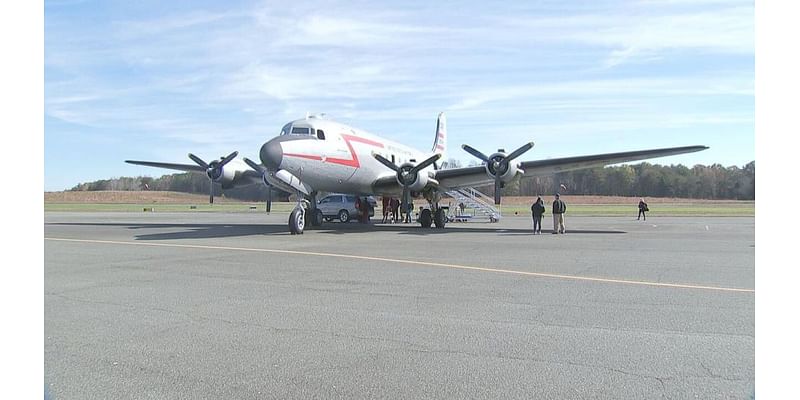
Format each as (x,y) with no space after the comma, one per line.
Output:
(342,207)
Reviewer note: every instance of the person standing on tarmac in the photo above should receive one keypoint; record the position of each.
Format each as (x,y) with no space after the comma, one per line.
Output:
(367,207)
(395,204)
(537,210)
(559,208)
(642,209)
(358,206)
(385,208)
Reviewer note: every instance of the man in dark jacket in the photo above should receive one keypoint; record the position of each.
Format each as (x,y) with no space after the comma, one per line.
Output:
(642,209)
(537,210)
(559,208)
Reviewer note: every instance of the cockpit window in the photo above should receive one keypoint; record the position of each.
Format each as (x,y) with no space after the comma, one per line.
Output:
(298,130)
(285,129)
(320,134)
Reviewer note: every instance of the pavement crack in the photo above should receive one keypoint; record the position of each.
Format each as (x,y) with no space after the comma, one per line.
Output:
(713,375)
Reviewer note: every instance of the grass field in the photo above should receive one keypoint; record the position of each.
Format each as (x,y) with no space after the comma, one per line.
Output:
(576,205)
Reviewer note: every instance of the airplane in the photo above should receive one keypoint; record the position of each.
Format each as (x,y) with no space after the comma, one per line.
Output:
(317,154)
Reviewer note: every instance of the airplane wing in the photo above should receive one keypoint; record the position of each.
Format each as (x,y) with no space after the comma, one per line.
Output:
(246,176)
(476,176)
(179,167)
(387,184)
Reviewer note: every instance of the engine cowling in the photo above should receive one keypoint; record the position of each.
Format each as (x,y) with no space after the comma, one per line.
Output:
(414,182)
(228,174)
(494,168)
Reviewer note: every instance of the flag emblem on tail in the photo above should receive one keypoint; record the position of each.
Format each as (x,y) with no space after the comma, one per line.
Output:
(440,142)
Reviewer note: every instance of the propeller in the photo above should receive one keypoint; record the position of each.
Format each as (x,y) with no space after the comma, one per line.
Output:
(264,172)
(213,170)
(498,164)
(407,173)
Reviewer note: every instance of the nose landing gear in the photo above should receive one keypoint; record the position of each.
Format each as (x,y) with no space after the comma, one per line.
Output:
(297,219)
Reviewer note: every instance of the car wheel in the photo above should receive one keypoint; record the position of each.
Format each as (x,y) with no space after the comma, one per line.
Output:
(318,218)
(344,216)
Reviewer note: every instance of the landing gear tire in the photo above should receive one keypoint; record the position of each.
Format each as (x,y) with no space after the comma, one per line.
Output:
(344,216)
(425,218)
(297,221)
(439,218)
(318,218)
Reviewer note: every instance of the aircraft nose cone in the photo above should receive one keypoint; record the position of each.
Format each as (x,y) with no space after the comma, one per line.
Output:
(272,154)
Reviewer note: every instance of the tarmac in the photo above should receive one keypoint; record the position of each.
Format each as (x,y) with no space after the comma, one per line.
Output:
(230,305)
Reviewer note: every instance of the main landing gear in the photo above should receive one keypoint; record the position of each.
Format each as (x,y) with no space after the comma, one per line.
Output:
(436,218)
(435,215)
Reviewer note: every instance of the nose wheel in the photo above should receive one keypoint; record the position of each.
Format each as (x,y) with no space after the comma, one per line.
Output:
(297,219)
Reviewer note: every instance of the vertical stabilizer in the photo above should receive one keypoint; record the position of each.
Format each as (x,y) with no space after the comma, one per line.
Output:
(440,142)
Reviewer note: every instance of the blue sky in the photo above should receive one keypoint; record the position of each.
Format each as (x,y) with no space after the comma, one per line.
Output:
(156,80)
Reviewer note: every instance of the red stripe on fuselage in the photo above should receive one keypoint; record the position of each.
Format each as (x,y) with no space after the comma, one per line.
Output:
(318,158)
(352,162)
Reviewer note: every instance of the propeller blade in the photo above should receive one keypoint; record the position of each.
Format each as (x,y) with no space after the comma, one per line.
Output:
(228,158)
(475,153)
(406,201)
(385,162)
(497,184)
(419,167)
(254,165)
(260,168)
(518,152)
(198,161)
(269,199)
(210,191)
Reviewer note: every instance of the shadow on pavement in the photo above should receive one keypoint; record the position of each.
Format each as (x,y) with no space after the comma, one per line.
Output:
(211,231)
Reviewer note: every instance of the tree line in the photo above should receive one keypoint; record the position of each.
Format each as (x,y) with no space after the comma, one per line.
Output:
(645,179)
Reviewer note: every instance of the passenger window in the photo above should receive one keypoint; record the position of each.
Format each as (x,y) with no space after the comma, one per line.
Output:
(320,134)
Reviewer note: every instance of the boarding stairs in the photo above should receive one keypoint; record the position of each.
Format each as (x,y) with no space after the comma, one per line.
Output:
(478,206)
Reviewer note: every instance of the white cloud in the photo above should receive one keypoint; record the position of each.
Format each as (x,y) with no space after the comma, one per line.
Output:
(639,33)
(216,79)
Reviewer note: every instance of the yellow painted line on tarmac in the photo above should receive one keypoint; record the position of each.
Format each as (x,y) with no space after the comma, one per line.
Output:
(412,262)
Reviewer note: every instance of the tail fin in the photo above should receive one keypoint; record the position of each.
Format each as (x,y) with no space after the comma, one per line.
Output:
(440,143)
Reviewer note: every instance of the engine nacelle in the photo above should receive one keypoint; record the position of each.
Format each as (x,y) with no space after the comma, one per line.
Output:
(229,174)
(505,175)
(419,181)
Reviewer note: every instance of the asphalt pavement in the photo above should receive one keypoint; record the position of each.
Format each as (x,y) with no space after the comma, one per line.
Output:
(216,305)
